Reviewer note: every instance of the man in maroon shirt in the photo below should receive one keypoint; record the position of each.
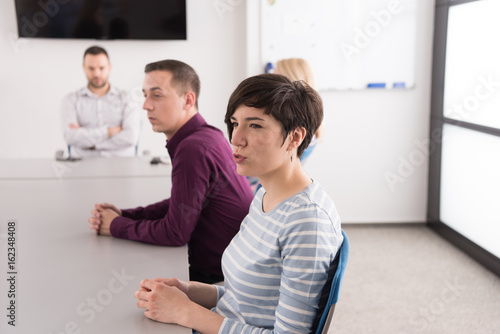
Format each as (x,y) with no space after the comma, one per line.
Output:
(208,198)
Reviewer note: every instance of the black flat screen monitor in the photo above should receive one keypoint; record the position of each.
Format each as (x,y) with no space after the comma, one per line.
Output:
(102,19)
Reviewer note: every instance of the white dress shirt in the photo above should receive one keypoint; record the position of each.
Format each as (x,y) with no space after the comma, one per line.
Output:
(95,115)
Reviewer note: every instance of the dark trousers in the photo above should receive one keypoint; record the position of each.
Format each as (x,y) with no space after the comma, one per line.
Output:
(203,276)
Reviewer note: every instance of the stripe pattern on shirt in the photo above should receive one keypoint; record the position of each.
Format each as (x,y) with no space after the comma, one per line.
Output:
(277,264)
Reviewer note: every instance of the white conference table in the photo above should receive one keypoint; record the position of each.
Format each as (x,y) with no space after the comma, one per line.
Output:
(69,280)
(31,169)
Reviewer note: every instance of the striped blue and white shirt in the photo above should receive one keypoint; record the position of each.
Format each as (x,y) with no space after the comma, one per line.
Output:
(277,264)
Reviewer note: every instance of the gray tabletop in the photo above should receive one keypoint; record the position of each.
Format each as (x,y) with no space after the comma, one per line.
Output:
(67,279)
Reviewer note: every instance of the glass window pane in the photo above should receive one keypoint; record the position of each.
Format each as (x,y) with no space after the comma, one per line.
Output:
(472,74)
(470,185)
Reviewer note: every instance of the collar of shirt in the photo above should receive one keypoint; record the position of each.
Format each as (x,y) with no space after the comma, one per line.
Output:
(186,130)
(85,91)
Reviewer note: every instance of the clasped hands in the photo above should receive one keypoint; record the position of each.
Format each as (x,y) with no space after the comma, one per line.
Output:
(164,299)
(102,216)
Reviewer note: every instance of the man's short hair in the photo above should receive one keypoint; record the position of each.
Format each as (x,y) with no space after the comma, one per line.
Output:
(293,104)
(184,77)
(95,50)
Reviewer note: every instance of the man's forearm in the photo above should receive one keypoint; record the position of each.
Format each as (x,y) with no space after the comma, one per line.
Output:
(152,211)
(85,137)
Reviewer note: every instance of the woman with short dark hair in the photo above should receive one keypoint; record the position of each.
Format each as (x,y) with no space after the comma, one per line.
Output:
(275,268)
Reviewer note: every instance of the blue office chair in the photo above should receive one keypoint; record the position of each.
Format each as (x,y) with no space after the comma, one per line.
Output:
(332,288)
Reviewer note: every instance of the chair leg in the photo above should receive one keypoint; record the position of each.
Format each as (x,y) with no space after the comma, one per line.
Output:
(328,319)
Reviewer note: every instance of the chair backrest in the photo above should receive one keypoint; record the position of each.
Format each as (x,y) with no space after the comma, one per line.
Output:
(326,317)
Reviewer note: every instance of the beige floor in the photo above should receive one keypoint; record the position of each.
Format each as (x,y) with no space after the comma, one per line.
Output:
(407,279)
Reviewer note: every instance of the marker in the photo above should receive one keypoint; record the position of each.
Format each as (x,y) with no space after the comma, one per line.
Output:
(399,85)
(269,68)
(376,85)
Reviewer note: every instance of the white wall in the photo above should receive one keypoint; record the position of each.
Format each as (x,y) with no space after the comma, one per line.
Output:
(367,132)
(37,73)
(371,133)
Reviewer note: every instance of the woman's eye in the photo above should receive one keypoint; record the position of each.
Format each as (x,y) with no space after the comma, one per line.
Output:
(255,126)
(234,124)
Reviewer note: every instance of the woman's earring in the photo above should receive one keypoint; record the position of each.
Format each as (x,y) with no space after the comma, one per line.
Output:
(291,156)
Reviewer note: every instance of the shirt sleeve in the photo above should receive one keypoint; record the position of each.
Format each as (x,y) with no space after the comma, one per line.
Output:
(81,137)
(150,212)
(220,291)
(309,245)
(190,188)
(130,124)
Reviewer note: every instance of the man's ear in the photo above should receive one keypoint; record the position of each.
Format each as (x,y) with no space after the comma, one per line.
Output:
(189,100)
(297,137)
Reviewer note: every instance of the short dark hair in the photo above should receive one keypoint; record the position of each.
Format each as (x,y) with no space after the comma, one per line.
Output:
(95,50)
(184,77)
(293,104)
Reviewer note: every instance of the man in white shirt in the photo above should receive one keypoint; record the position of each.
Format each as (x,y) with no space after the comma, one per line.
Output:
(99,119)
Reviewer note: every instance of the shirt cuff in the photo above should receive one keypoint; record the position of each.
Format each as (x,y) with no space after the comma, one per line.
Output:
(230,326)
(220,291)
(119,226)
(129,213)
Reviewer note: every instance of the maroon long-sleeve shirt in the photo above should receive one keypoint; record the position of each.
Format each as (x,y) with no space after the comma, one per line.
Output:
(207,204)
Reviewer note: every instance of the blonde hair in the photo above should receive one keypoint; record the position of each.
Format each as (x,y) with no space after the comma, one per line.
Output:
(297,69)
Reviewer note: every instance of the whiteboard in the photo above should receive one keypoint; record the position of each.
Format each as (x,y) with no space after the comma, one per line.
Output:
(350,44)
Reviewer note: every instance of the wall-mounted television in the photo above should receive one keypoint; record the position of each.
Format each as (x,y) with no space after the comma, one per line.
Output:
(102,19)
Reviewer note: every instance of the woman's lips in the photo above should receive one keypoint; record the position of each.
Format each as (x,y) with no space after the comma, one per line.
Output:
(238,158)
